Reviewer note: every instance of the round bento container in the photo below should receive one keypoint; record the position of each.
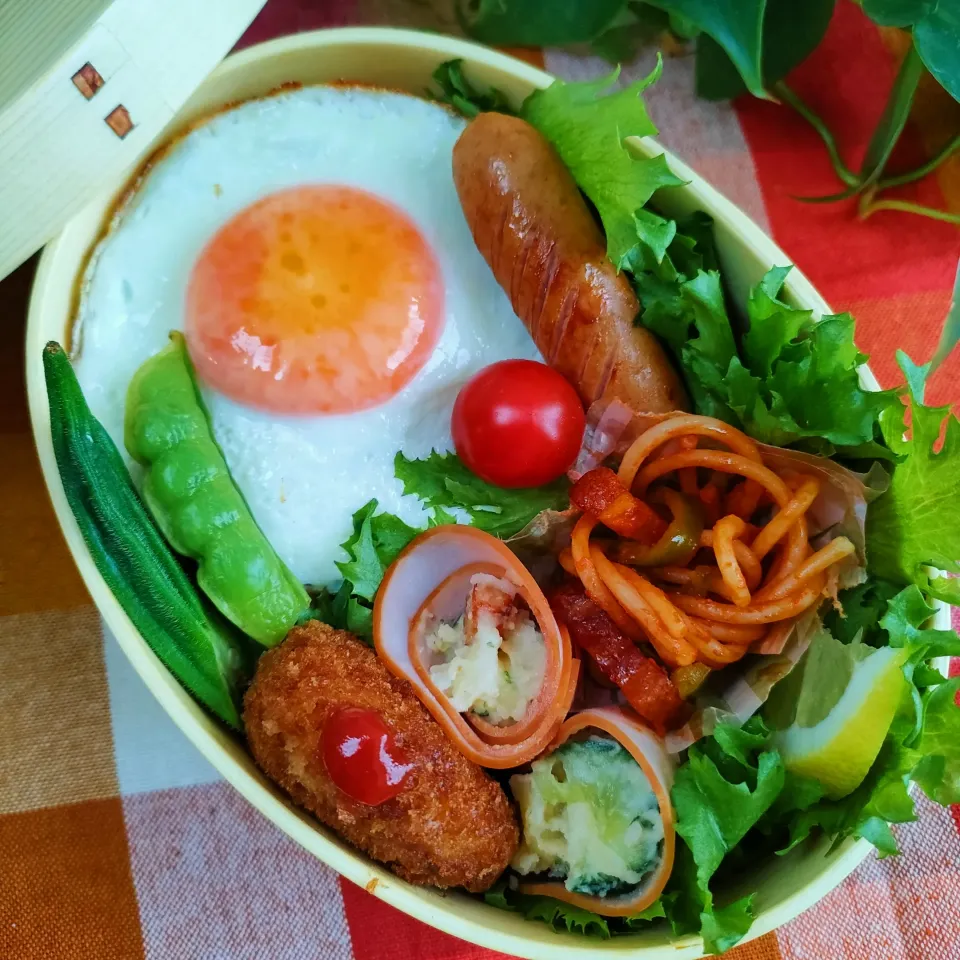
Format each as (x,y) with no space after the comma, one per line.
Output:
(405,60)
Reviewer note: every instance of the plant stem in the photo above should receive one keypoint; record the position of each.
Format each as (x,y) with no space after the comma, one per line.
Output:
(787,95)
(951,328)
(901,178)
(904,207)
(894,118)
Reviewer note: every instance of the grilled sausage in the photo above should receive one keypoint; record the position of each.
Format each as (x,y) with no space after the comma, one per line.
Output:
(535,231)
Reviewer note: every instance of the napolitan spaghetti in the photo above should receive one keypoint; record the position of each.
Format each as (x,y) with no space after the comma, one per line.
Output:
(732,576)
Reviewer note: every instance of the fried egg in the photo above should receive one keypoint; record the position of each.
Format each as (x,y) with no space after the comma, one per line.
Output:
(312,248)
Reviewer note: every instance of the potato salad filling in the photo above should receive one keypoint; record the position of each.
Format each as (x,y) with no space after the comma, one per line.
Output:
(590,818)
(492,660)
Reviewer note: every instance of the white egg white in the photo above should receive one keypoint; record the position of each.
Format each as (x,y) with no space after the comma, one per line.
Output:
(303,477)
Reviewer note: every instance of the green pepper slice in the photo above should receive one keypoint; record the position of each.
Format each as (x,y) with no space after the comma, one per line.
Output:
(196,504)
(678,544)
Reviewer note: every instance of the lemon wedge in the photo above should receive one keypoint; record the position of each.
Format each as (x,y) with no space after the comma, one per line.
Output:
(838,704)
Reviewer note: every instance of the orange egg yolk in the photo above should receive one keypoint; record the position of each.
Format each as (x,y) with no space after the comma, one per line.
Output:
(317,299)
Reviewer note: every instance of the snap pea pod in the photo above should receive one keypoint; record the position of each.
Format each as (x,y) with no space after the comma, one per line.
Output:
(196,504)
(204,652)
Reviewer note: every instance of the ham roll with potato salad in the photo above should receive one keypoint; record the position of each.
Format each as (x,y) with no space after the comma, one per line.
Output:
(461,619)
(441,465)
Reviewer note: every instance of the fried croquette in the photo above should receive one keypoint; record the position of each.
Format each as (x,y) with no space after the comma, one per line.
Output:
(450,826)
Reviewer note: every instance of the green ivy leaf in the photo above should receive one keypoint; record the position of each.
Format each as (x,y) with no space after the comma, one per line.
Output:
(897,13)
(892,120)
(937,39)
(637,26)
(735,25)
(536,23)
(792,30)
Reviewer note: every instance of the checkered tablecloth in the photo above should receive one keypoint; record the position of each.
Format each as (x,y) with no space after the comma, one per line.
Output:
(118,841)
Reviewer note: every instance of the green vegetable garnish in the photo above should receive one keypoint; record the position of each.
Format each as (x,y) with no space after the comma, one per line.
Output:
(862,608)
(374,544)
(716,807)
(784,359)
(557,914)
(537,23)
(442,482)
(200,649)
(916,523)
(588,125)
(196,504)
(463,96)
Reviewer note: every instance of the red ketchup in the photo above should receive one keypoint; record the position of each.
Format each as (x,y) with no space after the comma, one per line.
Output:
(362,757)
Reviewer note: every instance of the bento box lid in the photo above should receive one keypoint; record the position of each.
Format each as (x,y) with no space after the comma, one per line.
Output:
(85,87)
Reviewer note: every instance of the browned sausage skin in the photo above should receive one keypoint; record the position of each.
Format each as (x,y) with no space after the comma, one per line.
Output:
(535,231)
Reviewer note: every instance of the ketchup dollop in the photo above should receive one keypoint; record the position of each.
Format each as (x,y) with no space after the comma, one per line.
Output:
(362,756)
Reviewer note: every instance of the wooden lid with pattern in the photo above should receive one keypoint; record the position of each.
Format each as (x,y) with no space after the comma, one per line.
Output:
(86,86)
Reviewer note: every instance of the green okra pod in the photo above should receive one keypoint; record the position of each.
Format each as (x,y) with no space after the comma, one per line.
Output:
(200,649)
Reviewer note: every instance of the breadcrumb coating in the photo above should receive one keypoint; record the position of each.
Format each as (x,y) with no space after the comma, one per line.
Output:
(450,826)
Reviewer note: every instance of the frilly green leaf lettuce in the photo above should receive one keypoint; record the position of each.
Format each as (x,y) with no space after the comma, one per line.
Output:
(937,770)
(639,920)
(729,781)
(863,607)
(575,919)
(587,126)
(455,90)
(916,523)
(556,913)
(714,813)
(905,623)
(792,380)
(376,540)
(443,482)
(373,545)
(773,324)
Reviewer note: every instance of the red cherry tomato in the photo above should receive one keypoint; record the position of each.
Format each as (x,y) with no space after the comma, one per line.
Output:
(518,423)
(362,757)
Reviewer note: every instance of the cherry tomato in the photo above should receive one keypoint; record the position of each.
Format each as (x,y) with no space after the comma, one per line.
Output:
(518,423)
(362,757)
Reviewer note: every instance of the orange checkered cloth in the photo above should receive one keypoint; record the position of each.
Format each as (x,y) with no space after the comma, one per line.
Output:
(118,841)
